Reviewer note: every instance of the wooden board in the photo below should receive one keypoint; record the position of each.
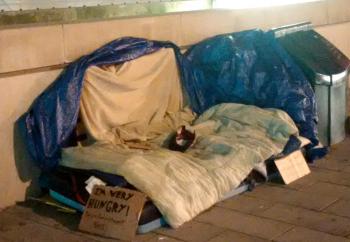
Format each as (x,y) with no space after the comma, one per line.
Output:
(113,212)
(292,167)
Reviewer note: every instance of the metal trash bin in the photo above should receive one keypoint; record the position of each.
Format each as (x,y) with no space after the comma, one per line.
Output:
(327,70)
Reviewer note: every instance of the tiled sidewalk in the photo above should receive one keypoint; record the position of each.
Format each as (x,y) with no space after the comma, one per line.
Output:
(315,208)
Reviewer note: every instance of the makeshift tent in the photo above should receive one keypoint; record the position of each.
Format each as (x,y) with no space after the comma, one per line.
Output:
(130,98)
(48,125)
(247,67)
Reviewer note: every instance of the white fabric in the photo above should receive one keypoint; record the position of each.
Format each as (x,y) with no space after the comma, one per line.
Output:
(93,181)
(133,102)
(231,140)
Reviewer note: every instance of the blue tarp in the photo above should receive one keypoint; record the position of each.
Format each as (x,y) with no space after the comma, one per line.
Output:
(49,123)
(248,67)
(251,67)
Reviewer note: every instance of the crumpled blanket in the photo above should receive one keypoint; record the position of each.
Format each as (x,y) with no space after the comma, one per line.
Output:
(231,140)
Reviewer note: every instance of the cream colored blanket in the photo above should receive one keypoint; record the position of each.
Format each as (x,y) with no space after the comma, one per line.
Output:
(133,102)
(232,139)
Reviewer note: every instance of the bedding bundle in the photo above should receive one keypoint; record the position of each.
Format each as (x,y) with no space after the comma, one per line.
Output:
(132,95)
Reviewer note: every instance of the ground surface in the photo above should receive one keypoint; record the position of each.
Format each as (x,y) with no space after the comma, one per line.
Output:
(315,208)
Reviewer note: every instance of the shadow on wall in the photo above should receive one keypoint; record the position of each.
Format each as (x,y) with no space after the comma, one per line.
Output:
(26,169)
(348,110)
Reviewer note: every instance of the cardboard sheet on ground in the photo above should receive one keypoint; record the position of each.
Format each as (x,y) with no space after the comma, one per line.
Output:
(113,212)
(292,167)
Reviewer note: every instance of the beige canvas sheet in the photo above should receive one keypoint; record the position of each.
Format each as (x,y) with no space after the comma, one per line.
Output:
(133,102)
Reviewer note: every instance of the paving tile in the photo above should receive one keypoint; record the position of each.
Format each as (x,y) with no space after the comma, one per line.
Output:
(15,229)
(5,240)
(325,175)
(292,197)
(346,169)
(335,177)
(340,208)
(338,158)
(98,238)
(163,238)
(302,182)
(338,152)
(192,231)
(46,215)
(246,204)
(235,236)
(331,163)
(144,237)
(314,220)
(325,189)
(303,234)
(248,224)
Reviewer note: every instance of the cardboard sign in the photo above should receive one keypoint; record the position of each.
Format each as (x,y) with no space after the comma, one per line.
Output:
(113,212)
(292,167)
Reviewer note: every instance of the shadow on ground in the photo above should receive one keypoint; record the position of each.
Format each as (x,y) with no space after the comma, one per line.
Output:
(67,220)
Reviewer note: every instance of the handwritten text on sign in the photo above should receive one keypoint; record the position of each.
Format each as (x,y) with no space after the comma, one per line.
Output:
(113,212)
(111,206)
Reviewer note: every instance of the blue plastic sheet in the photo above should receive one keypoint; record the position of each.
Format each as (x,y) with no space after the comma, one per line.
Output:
(49,123)
(250,67)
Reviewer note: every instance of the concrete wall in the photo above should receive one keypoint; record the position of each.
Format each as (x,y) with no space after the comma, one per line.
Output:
(31,58)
